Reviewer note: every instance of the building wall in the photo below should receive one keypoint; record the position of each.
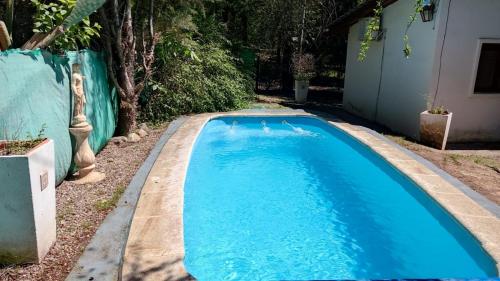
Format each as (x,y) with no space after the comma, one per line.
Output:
(475,117)
(362,78)
(405,83)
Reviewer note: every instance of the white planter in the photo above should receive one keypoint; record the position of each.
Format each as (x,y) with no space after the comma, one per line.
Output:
(27,205)
(434,129)
(301,89)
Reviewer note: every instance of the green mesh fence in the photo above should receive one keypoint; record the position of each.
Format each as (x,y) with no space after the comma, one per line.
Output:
(35,92)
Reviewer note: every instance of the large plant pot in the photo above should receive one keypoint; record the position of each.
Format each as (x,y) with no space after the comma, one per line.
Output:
(27,205)
(301,90)
(434,129)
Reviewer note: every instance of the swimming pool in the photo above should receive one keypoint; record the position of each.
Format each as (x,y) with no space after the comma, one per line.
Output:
(273,198)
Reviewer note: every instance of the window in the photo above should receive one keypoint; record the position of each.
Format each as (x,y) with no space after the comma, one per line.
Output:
(488,70)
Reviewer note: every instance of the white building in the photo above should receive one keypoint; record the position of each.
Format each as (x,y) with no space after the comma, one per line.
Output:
(455,63)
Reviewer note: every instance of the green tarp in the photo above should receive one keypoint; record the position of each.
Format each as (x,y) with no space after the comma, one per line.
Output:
(35,92)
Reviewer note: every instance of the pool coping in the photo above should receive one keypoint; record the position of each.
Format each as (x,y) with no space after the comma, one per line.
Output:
(155,246)
(102,258)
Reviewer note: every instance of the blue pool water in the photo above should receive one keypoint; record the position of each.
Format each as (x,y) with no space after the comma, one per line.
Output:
(300,200)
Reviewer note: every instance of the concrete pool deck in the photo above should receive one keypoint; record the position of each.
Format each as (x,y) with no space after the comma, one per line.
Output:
(155,247)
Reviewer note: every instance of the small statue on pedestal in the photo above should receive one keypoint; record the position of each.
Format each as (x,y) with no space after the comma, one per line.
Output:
(79,118)
(81,129)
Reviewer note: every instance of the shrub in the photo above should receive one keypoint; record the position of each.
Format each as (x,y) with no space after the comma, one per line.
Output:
(438,110)
(205,78)
(13,145)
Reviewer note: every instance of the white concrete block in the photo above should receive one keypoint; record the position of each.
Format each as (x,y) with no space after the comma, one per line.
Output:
(27,205)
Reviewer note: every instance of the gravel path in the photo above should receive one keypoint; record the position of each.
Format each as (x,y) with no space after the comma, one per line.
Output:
(82,208)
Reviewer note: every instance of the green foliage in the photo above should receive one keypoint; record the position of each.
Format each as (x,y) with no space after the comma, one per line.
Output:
(406,46)
(372,27)
(106,204)
(195,70)
(211,30)
(39,135)
(419,5)
(50,15)
(18,147)
(14,146)
(170,49)
(212,83)
(438,110)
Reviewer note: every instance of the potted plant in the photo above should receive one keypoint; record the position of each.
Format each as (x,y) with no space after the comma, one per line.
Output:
(303,71)
(434,127)
(27,201)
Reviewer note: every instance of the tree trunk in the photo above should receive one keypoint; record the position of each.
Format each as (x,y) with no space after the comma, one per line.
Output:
(42,40)
(127,118)
(122,55)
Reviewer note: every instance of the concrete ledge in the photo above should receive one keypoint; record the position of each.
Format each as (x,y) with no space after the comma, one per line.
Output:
(102,259)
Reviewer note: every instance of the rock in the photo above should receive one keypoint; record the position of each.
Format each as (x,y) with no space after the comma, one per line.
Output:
(133,137)
(144,126)
(119,140)
(142,133)
(93,177)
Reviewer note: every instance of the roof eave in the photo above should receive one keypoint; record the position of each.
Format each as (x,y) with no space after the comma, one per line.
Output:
(342,24)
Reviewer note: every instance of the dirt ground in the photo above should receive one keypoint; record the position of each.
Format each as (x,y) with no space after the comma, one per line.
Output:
(82,208)
(476,165)
(479,168)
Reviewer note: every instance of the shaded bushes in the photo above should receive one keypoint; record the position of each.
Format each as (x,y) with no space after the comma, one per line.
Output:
(194,78)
